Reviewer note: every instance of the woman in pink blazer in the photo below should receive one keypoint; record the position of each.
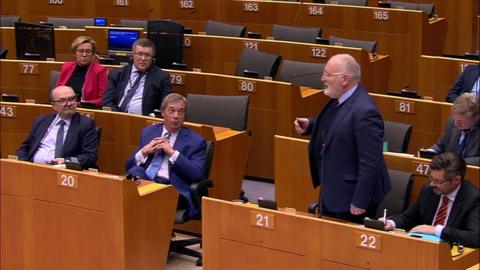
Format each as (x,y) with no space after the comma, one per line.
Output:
(87,78)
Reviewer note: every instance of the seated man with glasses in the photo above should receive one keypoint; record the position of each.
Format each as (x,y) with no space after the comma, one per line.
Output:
(140,87)
(62,134)
(170,153)
(87,78)
(448,207)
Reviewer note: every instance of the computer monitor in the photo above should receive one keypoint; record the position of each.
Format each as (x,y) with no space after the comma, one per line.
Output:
(167,36)
(34,41)
(100,21)
(121,40)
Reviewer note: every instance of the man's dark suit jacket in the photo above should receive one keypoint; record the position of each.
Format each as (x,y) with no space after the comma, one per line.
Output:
(187,169)
(81,141)
(354,170)
(464,83)
(450,139)
(463,224)
(157,86)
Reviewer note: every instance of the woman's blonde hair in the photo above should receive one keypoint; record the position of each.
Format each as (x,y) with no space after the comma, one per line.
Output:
(84,39)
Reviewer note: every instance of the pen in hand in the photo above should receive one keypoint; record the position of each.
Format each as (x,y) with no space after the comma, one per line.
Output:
(385,216)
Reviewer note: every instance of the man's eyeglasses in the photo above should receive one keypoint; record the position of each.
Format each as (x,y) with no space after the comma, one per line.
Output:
(173,111)
(140,55)
(86,52)
(326,74)
(64,101)
(437,182)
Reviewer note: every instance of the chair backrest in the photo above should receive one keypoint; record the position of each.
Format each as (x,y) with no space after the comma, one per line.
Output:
(134,23)
(3,53)
(263,64)
(396,201)
(77,23)
(224,111)
(299,34)
(427,8)
(8,20)
(167,36)
(224,29)
(367,45)
(397,135)
(348,2)
(302,73)
(54,74)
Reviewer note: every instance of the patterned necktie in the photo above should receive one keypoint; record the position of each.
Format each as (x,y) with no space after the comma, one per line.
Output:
(460,150)
(442,212)
(131,92)
(59,140)
(157,161)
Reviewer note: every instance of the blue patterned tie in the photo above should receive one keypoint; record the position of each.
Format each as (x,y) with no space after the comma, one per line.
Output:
(157,161)
(131,92)
(460,150)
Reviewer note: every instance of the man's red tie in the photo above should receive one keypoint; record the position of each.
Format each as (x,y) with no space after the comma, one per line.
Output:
(442,212)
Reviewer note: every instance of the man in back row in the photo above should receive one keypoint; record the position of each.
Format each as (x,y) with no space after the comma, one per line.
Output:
(137,88)
(448,207)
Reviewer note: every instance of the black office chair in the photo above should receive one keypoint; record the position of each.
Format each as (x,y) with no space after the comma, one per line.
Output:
(197,190)
(224,111)
(253,63)
(298,34)
(134,23)
(54,74)
(396,201)
(367,45)
(348,2)
(167,36)
(74,23)
(302,73)
(397,135)
(3,53)
(216,28)
(9,20)
(429,9)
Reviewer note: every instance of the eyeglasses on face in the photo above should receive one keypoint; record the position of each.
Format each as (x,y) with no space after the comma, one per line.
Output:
(86,52)
(326,74)
(437,182)
(141,54)
(64,101)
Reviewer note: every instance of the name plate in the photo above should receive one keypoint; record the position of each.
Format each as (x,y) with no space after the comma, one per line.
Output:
(247,86)
(67,180)
(315,10)
(55,2)
(381,15)
(420,168)
(402,106)
(187,42)
(186,4)
(262,220)
(251,44)
(368,241)
(8,111)
(178,78)
(318,52)
(121,3)
(251,7)
(27,68)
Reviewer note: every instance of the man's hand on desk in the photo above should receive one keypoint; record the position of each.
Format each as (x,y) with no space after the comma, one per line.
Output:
(389,224)
(57,161)
(426,229)
(355,210)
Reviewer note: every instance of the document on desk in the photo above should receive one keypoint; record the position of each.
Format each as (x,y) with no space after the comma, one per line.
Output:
(429,237)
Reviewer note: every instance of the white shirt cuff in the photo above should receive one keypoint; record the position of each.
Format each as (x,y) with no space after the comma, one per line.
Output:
(139,158)
(174,157)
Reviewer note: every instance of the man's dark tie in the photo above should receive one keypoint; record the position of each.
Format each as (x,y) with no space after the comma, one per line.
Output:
(157,161)
(59,140)
(442,212)
(131,92)
(460,150)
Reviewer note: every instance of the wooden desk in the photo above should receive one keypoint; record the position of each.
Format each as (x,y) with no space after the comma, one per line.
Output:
(293,184)
(239,236)
(439,74)
(121,134)
(63,219)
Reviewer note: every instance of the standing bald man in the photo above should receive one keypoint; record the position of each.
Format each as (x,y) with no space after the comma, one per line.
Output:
(346,144)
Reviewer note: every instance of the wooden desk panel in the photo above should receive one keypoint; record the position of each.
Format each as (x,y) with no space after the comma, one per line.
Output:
(233,232)
(102,224)
(439,74)
(293,184)
(121,134)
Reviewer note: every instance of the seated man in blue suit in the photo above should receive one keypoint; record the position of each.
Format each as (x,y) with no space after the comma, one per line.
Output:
(62,134)
(467,82)
(448,207)
(171,153)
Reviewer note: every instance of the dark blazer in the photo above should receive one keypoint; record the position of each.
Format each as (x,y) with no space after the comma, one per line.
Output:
(354,170)
(450,138)
(157,86)
(95,83)
(463,224)
(188,167)
(464,83)
(81,141)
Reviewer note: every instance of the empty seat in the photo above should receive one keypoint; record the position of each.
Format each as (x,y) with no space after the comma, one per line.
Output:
(397,135)
(134,23)
(224,29)
(427,8)
(8,20)
(299,34)
(396,201)
(348,2)
(367,45)
(76,23)
(257,64)
(302,73)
